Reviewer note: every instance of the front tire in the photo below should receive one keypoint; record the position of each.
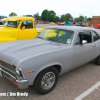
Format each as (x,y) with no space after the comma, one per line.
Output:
(46,80)
(97,60)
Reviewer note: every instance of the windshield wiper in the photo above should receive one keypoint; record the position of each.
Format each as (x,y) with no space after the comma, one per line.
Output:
(54,41)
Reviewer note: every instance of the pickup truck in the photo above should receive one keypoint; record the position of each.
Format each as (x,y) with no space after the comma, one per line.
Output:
(18,28)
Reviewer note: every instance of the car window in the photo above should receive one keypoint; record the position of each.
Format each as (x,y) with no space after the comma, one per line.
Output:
(58,35)
(95,36)
(85,36)
(13,24)
(28,24)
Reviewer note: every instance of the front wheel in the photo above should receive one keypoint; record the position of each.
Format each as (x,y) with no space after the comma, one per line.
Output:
(46,80)
(97,60)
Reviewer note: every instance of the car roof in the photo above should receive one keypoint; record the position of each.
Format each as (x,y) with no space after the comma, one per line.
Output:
(15,18)
(74,28)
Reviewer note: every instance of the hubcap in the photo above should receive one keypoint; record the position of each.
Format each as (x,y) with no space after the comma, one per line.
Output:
(48,80)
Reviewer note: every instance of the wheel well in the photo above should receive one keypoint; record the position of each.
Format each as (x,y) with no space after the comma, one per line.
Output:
(58,67)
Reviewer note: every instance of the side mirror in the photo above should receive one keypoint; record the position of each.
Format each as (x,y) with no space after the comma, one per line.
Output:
(84,41)
(23,27)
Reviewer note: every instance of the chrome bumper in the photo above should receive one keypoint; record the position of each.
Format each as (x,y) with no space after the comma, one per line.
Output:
(22,84)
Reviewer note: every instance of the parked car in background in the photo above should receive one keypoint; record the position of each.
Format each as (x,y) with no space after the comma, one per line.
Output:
(97,26)
(18,28)
(80,24)
(61,23)
(67,23)
(47,22)
(52,23)
(56,50)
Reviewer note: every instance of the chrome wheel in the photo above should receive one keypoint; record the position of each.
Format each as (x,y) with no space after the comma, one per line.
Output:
(48,80)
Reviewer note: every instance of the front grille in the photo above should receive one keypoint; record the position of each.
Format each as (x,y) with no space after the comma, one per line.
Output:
(7,65)
(10,69)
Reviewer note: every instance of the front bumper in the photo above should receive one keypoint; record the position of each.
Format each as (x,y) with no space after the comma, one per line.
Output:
(22,84)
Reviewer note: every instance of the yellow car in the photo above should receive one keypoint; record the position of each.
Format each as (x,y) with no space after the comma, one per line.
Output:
(18,28)
(52,23)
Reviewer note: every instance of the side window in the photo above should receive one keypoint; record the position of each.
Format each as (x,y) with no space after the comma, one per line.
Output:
(28,24)
(85,36)
(95,37)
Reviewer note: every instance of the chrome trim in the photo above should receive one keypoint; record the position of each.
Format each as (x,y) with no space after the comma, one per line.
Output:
(22,84)
(7,73)
(22,72)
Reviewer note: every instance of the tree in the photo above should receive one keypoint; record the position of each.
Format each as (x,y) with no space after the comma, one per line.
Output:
(12,14)
(69,17)
(50,16)
(89,19)
(44,14)
(56,18)
(37,16)
(76,19)
(81,18)
(64,18)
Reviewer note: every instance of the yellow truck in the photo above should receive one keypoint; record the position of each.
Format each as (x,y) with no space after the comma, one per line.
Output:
(18,28)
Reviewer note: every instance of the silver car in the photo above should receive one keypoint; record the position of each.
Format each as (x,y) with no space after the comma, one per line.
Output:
(56,50)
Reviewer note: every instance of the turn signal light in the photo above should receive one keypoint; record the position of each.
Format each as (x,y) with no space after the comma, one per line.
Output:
(15,81)
(29,72)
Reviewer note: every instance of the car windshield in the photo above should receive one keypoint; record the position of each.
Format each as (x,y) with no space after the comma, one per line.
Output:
(12,23)
(57,35)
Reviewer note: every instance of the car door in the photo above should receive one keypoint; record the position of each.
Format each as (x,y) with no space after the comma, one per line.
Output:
(27,31)
(83,53)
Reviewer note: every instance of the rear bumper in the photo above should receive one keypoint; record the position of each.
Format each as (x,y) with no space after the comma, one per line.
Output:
(22,84)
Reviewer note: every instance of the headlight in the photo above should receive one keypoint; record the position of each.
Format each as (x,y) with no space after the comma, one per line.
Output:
(17,71)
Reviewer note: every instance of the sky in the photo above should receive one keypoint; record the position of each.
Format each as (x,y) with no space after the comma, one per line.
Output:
(76,8)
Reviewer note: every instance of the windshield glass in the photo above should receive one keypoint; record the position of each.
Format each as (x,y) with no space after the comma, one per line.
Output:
(58,35)
(12,23)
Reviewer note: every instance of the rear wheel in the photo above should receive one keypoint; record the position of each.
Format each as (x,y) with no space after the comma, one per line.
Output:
(97,60)
(46,80)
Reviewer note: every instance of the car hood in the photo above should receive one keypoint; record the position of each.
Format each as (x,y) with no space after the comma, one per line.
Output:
(12,51)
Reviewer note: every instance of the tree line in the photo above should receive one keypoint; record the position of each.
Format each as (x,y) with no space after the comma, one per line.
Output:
(52,17)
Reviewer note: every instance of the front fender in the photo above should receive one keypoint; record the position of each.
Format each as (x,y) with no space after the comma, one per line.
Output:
(7,39)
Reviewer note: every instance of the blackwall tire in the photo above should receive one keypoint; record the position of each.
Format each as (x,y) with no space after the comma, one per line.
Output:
(46,80)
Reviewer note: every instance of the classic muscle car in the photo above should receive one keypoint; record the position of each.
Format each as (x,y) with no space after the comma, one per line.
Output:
(56,50)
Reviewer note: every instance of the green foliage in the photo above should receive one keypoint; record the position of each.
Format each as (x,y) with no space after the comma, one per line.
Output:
(81,18)
(37,16)
(56,18)
(89,19)
(44,14)
(69,17)
(12,14)
(50,16)
(63,18)
(76,19)
(3,17)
